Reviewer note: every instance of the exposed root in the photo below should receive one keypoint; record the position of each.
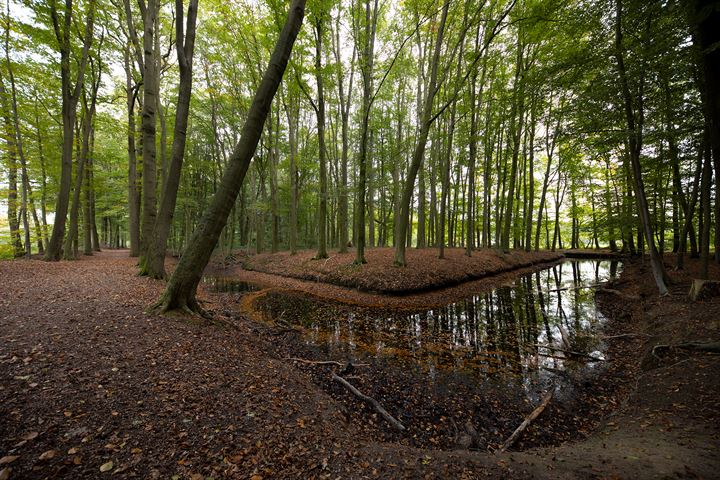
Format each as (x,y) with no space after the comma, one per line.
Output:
(711,347)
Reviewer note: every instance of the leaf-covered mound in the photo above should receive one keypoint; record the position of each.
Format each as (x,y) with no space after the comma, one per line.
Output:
(424,269)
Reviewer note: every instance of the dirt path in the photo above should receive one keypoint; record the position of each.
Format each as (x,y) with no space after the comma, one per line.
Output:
(87,378)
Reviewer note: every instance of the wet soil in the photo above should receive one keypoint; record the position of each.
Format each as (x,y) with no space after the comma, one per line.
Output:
(87,378)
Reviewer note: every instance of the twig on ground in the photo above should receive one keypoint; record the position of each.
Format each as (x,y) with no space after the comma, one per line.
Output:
(370,401)
(519,430)
(619,293)
(325,362)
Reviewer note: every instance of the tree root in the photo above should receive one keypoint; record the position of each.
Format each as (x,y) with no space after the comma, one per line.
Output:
(711,347)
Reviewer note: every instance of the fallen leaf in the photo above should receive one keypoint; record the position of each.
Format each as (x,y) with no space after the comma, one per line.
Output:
(48,455)
(8,459)
(106,467)
(256,477)
(136,451)
(72,451)
(30,436)
(5,473)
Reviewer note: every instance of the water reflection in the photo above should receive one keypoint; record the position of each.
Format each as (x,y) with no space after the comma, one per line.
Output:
(530,325)
(228,284)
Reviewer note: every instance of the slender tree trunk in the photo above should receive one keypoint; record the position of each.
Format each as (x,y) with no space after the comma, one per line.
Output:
(133,194)
(323,194)
(12,168)
(18,143)
(366,64)
(70,253)
(344,116)
(635,146)
(531,179)
(292,115)
(182,286)
(149,108)
(419,152)
(516,123)
(185,47)
(70,97)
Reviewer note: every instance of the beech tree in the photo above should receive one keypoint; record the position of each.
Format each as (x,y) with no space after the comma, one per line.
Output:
(182,286)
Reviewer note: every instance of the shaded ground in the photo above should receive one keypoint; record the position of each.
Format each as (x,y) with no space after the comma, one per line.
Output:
(425,270)
(86,378)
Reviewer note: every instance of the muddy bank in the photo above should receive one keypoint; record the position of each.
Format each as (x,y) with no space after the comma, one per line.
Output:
(424,270)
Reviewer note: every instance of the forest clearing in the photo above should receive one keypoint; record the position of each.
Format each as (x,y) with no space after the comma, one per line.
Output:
(359,239)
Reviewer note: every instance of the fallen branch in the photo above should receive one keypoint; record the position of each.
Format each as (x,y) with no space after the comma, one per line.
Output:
(519,430)
(583,287)
(325,362)
(623,335)
(619,293)
(370,401)
(568,352)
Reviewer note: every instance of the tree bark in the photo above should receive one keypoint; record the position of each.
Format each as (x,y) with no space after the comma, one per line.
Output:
(185,47)
(149,108)
(70,97)
(182,286)
(323,194)
(401,226)
(635,146)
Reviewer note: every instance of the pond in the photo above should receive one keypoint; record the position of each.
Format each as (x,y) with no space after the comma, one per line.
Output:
(476,365)
(543,322)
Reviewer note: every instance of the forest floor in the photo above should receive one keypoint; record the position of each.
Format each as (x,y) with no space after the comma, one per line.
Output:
(425,270)
(91,385)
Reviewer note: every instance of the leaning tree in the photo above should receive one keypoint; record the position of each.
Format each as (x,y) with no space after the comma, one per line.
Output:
(182,286)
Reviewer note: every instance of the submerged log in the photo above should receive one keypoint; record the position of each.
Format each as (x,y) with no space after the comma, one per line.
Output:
(370,401)
(567,352)
(519,430)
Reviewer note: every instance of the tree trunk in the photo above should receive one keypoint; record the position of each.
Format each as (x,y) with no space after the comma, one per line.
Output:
(185,47)
(366,66)
(70,253)
(516,127)
(182,286)
(401,227)
(635,147)
(322,197)
(133,194)
(344,116)
(149,173)
(70,97)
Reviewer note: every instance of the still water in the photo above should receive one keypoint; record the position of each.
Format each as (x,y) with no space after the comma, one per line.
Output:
(542,322)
